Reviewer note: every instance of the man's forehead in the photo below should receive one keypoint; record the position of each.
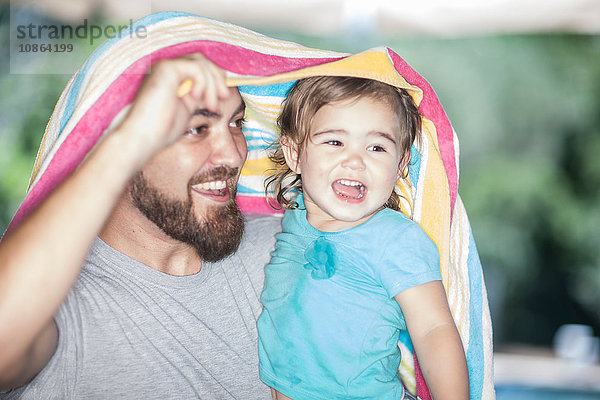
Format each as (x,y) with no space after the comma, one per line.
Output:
(228,107)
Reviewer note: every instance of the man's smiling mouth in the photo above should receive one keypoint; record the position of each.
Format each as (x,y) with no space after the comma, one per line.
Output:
(214,190)
(218,184)
(212,185)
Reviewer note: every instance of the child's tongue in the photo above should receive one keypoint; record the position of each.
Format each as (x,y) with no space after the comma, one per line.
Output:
(347,190)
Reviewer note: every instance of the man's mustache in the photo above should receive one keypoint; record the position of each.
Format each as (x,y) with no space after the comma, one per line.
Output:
(216,174)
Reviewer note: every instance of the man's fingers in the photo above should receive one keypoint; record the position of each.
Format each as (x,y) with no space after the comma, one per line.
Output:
(185,87)
(207,67)
(202,79)
(170,94)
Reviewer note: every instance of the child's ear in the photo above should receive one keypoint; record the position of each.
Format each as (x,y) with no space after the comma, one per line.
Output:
(402,166)
(290,152)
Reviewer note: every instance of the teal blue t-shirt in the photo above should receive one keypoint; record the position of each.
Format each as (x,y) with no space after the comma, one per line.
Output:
(330,324)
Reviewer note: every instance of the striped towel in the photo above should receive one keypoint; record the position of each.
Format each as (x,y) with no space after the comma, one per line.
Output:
(264,69)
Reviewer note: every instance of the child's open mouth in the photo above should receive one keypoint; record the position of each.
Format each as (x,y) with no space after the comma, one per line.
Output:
(348,189)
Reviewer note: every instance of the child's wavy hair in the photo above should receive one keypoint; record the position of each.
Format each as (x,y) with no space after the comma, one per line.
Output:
(305,98)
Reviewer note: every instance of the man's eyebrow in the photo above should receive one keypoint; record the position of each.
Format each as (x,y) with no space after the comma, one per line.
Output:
(241,108)
(204,112)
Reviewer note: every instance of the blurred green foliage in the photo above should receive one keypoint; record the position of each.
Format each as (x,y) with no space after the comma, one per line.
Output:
(26,102)
(529,175)
(525,108)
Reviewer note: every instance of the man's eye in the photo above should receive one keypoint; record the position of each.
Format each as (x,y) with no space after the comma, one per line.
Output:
(199,130)
(238,123)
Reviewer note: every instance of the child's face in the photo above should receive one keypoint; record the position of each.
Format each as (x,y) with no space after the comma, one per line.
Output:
(350,164)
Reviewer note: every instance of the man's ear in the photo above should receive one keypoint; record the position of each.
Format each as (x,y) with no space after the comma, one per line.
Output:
(290,152)
(403,166)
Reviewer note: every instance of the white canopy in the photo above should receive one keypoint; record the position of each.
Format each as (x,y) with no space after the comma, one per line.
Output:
(392,17)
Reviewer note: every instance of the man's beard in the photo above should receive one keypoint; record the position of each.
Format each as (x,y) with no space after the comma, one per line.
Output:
(215,236)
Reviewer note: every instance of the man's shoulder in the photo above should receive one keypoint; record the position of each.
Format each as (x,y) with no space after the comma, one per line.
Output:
(260,230)
(257,244)
(262,227)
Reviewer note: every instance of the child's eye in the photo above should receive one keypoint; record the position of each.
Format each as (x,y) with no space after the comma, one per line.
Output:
(238,123)
(197,131)
(376,147)
(334,143)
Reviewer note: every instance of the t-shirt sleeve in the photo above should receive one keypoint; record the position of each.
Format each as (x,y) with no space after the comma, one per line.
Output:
(409,259)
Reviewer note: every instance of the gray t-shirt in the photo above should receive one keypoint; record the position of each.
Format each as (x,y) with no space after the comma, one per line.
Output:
(128,331)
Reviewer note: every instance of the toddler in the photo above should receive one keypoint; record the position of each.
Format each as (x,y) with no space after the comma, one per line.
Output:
(349,271)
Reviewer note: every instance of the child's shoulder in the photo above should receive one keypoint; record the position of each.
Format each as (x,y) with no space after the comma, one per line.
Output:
(393,219)
(391,223)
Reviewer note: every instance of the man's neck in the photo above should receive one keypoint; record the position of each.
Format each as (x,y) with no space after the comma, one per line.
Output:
(131,233)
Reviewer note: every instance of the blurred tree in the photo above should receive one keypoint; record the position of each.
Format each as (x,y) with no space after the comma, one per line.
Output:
(26,103)
(534,198)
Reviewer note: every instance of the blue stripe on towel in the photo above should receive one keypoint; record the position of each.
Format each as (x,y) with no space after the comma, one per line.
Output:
(74,92)
(475,357)
(241,189)
(277,89)
(415,165)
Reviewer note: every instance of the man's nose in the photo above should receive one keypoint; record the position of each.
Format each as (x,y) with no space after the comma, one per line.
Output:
(228,149)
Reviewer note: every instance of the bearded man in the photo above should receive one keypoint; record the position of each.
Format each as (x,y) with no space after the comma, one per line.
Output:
(143,252)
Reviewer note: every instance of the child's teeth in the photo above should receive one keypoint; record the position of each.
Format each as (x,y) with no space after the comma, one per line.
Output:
(349,183)
(350,189)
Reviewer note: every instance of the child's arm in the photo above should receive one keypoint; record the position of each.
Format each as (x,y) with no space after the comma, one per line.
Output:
(278,396)
(436,340)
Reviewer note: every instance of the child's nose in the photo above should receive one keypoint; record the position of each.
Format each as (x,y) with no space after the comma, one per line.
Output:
(354,160)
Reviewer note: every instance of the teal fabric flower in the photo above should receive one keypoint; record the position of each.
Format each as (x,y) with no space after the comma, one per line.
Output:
(321,259)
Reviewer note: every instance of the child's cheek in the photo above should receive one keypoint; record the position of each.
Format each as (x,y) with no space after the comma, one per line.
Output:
(319,170)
